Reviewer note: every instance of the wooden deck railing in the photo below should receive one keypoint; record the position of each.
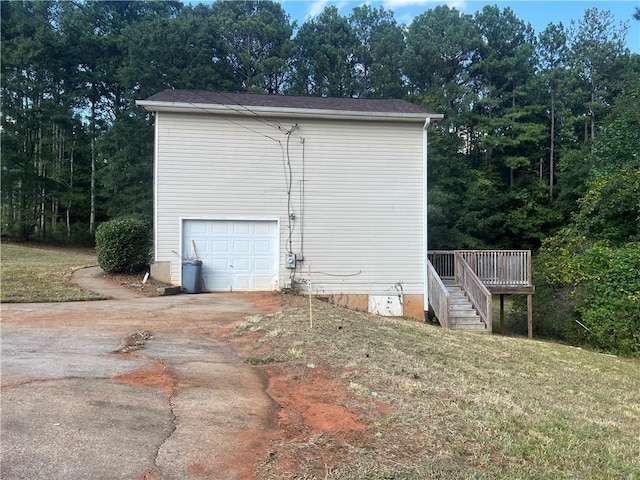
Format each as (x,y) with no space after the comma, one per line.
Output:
(478,294)
(439,297)
(483,272)
(500,267)
(442,261)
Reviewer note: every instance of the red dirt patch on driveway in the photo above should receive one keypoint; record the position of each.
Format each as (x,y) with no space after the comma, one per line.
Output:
(316,421)
(156,379)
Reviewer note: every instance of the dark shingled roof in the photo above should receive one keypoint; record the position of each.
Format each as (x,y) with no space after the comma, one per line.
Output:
(364,105)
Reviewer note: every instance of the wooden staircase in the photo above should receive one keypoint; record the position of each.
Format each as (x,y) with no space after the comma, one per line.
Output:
(462,314)
(461,284)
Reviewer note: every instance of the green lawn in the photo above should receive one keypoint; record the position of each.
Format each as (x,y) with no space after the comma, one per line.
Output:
(42,274)
(462,405)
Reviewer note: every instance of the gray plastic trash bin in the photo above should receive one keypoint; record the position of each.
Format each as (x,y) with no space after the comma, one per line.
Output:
(191,276)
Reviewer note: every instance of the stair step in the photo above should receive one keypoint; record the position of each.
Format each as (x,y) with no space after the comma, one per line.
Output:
(462,314)
(465,321)
(461,306)
(464,310)
(475,328)
(465,317)
(468,319)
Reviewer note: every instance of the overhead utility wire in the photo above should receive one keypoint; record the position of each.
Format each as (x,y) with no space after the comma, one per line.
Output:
(288,175)
(260,118)
(255,115)
(302,185)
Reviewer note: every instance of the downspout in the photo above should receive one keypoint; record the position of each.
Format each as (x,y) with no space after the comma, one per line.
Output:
(156,156)
(425,245)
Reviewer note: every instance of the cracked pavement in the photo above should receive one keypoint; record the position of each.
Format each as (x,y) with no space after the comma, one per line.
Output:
(181,406)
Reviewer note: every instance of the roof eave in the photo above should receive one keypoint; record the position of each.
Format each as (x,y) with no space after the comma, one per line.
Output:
(155,106)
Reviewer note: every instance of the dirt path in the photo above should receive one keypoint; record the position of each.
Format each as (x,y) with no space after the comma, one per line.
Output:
(92,279)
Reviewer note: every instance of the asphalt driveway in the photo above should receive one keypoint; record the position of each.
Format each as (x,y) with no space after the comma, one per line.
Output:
(138,388)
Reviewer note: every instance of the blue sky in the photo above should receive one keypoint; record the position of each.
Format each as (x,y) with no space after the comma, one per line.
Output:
(538,13)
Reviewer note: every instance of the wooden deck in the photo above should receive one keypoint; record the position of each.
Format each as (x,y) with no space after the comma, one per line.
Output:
(479,274)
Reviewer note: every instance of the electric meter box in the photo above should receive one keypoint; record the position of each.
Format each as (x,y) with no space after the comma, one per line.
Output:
(291,260)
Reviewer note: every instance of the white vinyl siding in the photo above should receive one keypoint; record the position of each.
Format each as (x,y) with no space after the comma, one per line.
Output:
(362,217)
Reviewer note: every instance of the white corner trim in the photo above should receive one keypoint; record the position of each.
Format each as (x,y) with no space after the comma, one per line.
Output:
(425,215)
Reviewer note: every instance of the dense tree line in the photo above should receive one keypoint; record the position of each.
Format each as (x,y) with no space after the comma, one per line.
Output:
(535,147)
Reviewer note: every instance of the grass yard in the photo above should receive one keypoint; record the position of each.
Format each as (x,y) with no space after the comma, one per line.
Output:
(462,405)
(433,403)
(42,274)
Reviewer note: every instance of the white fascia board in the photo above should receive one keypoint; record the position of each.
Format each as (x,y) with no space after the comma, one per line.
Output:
(244,110)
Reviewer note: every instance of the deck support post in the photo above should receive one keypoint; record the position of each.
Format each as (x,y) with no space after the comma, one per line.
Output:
(501,314)
(530,316)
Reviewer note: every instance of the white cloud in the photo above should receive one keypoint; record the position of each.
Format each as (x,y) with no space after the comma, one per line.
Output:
(316,7)
(392,4)
(404,10)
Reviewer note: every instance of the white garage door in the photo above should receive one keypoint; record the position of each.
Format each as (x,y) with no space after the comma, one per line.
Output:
(237,255)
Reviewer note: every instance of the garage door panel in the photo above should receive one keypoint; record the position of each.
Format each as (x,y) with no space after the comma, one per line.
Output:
(218,264)
(221,228)
(236,254)
(197,228)
(241,228)
(220,246)
(216,283)
(263,229)
(242,282)
(263,283)
(263,265)
(241,246)
(203,247)
(242,265)
(262,246)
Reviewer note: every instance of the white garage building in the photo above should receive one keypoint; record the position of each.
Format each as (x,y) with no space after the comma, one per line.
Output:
(270,190)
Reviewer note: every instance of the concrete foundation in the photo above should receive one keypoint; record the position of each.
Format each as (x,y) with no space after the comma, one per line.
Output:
(413,305)
(161,271)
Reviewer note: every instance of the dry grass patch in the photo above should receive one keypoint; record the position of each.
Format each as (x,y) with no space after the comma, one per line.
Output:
(462,405)
(41,274)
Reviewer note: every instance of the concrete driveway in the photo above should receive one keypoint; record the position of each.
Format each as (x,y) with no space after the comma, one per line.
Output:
(133,388)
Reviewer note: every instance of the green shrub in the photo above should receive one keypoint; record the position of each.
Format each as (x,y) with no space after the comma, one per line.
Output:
(611,305)
(587,293)
(122,245)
